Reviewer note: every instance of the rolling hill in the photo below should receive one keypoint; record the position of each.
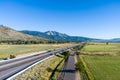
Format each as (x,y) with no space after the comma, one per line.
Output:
(7,34)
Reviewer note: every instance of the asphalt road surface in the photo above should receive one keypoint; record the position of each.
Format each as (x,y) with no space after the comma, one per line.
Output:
(9,68)
(68,72)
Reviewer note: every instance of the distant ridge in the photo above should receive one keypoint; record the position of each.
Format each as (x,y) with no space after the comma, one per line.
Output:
(62,37)
(7,34)
(56,36)
(114,40)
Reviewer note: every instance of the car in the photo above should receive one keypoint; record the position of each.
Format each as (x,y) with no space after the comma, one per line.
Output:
(5,58)
(49,50)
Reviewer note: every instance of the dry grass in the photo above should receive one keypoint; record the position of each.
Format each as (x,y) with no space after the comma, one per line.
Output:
(6,50)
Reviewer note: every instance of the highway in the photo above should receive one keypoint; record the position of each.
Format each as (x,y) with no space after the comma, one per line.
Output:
(68,71)
(11,67)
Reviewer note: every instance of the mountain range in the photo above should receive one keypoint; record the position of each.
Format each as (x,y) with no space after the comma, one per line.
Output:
(7,34)
(56,36)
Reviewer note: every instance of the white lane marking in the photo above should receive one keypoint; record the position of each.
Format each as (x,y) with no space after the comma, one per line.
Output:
(24,55)
(27,68)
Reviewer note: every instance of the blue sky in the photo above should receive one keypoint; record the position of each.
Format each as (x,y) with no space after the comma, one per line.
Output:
(90,18)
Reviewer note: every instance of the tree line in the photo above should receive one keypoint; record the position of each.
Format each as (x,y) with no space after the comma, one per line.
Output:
(29,42)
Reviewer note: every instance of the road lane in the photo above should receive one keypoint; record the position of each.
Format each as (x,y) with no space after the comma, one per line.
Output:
(18,59)
(12,69)
(68,72)
(70,69)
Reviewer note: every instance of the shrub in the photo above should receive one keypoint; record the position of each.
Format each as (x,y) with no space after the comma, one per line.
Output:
(77,53)
(12,56)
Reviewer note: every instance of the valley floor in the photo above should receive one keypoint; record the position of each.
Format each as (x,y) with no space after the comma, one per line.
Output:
(102,60)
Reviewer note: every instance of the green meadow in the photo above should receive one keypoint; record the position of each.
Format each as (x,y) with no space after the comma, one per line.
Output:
(102,48)
(102,67)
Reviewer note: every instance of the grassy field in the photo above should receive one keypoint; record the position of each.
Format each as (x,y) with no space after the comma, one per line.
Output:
(6,50)
(102,48)
(102,67)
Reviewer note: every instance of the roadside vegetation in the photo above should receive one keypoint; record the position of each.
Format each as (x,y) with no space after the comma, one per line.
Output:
(82,67)
(99,61)
(58,68)
(12,56)
(7,50)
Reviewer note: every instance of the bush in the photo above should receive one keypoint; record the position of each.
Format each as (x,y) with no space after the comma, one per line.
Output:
(65,54)
(77,53)
(82,67)
(77,66)
(12,56)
